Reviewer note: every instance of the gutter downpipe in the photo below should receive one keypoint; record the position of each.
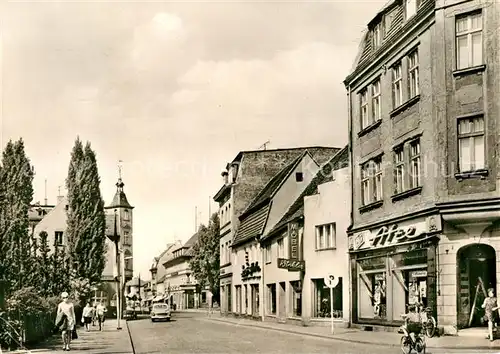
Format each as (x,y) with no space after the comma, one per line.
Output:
(262,283)
(351,217)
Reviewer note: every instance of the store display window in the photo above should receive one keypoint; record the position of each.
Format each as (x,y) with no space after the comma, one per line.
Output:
(372,285)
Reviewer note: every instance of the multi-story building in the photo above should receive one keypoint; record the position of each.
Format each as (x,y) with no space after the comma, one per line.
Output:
(299,245)
(118,213)
(158,271)
(424,112)
(180,286)
(244,178)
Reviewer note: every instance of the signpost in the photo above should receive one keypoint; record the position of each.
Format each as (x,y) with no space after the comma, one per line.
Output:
(331,281)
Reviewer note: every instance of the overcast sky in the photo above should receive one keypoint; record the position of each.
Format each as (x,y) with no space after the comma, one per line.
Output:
(175,90)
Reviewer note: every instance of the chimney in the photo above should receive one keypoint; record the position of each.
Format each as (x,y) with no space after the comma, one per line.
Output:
(225,176)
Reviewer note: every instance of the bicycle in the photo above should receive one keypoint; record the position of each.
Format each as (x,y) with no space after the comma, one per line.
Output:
(428,321)
(407,341)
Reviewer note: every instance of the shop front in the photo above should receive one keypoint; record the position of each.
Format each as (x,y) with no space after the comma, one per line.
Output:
(226,293)
(393,266)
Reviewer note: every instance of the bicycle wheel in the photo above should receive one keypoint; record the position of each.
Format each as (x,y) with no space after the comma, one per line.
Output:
(420,345)
(430,327)
(405,345)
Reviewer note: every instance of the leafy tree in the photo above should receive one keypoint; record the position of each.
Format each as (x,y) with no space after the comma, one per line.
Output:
(16,179)
(86,218)
(205,262)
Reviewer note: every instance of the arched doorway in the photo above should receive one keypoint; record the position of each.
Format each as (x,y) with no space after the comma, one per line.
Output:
(476,272)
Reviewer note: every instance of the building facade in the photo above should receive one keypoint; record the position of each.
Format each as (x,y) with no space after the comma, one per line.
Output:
(308,244)
(243,179)
(423,112)
(180,288)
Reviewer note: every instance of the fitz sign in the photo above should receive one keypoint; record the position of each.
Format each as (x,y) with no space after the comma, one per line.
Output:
(394,234)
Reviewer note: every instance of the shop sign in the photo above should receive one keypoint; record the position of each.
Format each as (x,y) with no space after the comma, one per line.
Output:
(293,237)
(293,265)
(419,274)
(394,234)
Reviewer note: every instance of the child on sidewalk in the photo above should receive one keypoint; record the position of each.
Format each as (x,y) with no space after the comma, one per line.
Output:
(490,305)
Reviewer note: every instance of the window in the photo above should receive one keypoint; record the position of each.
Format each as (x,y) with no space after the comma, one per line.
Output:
(471,144)
(413,73)
(411,7)
(469,33)
(322,299)
(399,163)
(371,181)
(222,254)
(415,180)
(299,177)
(281,248)
(326,236)
(296,300)
(377,36)
(376,106)
(271,291)
(58,238)
(238,298)
(126,215)
(268,254)
(363,99)
(397,89)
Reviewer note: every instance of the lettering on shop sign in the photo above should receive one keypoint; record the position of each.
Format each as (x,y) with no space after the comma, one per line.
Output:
(293,233)
(292,265)
(387,236)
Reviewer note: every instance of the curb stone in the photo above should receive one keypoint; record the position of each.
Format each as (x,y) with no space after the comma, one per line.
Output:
(357,341)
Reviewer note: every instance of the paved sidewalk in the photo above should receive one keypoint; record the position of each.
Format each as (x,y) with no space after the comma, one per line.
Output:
(387,339)
(108,341)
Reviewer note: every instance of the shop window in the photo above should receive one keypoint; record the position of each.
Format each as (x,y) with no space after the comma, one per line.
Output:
(246,299)
(322,299)
(238,298)
(372,288)
(409,282)
(271,291)
(296,298)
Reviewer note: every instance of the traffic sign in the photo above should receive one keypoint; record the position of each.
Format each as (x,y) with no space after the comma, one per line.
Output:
(331,281)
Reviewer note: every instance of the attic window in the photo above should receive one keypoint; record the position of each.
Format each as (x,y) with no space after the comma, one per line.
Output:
(299,176)
(377,35)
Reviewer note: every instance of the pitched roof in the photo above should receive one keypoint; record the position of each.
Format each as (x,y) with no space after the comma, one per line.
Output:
(253,219)
(392,14)
(252,226)
(296,210)
(271,187)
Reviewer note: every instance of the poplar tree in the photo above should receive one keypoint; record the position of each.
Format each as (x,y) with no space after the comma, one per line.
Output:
(86,218)
(16,179)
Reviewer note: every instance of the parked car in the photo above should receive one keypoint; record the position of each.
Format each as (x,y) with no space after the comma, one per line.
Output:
(160,312)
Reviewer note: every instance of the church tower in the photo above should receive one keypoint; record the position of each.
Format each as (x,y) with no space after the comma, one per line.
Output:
(122,210)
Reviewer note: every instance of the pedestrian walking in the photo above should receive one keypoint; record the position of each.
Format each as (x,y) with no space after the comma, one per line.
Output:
(101,313)
(88,313)
(94,317)
(66,320)
(490,306)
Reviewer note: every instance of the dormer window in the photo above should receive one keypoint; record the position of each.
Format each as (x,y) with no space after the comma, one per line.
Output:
(411,8)
(377,36)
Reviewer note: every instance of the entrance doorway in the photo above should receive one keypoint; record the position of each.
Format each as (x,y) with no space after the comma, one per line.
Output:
(476,274)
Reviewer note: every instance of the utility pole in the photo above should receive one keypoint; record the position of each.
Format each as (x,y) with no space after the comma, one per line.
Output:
(195,219)
(46,191)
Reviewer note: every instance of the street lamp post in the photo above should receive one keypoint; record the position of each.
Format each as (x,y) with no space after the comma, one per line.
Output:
(115,238)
